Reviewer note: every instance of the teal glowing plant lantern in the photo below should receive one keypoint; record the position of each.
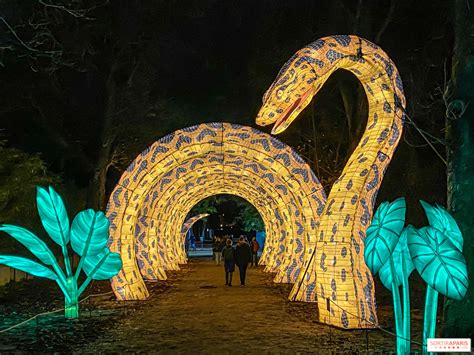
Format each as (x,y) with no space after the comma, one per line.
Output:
(394,274)
(88,236)
(383,251)
(437,255)
(435,252)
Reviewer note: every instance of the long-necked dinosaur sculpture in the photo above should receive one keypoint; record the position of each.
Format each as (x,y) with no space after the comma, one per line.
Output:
(334,272)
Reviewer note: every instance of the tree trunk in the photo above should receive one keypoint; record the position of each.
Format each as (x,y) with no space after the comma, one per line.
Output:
(96,194)
(459,98)
(353,97)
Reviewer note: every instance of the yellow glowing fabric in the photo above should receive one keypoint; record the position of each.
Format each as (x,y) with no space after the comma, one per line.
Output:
(149,205)
(316,244)
(184,230)
(336,275)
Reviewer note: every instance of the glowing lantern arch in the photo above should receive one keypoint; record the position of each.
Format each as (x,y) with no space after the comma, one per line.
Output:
(150,203)
(325,240)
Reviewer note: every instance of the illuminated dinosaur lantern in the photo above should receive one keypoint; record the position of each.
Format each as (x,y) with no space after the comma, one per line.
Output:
(335,273)
(315,242)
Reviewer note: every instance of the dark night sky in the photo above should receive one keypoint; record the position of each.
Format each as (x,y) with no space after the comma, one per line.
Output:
(209,60)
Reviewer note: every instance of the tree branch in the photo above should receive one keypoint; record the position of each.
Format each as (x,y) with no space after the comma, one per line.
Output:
(386,22)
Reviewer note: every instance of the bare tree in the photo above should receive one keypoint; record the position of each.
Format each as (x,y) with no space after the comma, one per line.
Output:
(459,98)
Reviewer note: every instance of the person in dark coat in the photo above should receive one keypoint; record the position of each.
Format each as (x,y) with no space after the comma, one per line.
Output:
(255,247)
(228,255)
(217,249)
(243,255)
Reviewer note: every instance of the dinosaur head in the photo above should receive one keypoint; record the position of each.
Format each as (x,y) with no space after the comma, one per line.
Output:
(290,93)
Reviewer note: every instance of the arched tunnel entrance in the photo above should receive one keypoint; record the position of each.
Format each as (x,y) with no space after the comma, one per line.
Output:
(150,203)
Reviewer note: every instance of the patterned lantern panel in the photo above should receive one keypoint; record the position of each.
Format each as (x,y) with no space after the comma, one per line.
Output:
(335,274)
(149,205)
(184,230)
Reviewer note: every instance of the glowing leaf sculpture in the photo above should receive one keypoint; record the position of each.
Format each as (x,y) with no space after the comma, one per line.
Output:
(35,245)
(28,266)
(435,252)
(88,236)
(89,232)
(382,239)
(102,266)
(440,219)
(383,233)
(395,273)
(402,260)
(53,215)
(441,265)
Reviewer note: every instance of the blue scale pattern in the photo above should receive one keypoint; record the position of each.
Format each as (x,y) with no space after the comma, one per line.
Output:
(374,182)
(309,291)
(299,246)
(332,55)
(395,134)
(182,140)
(322,261)
(263,142)
(383,135)
(343,275)
(309,60)
(302,172)
(355,244)
(344,320)
(343,40)
(316,45)
(282,188)
(205,132)
(167,139)
(196,162)
(191,128)
(284,157)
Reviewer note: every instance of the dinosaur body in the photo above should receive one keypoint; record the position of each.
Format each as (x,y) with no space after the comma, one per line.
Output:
(334,273)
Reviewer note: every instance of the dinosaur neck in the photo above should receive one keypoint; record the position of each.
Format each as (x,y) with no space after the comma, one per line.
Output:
(344,220)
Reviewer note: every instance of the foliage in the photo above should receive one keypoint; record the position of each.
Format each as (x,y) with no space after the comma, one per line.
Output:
(19,174)
(88,236)
(207,205)
(434,251)
(440,264)
(401,257)
(250,219)
(383,233)
(440,219)
(247,216)
(383,237)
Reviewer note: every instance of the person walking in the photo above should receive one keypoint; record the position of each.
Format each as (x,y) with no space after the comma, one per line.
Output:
(223,243)
(243,255)
(193,242)
(255,247)
(228,255)
(217,250)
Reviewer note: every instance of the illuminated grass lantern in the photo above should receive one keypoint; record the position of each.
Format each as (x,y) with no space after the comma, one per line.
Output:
(88,236)
(434,251)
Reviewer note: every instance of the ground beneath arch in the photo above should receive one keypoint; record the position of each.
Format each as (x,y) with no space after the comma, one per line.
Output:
(198,314)
(191,312)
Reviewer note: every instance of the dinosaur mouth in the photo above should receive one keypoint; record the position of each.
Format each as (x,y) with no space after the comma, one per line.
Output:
(290,113)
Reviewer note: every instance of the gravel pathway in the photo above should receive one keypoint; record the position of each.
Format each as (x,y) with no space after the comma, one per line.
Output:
(198,314)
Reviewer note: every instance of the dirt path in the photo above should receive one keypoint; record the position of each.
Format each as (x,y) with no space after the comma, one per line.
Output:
(199,314)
